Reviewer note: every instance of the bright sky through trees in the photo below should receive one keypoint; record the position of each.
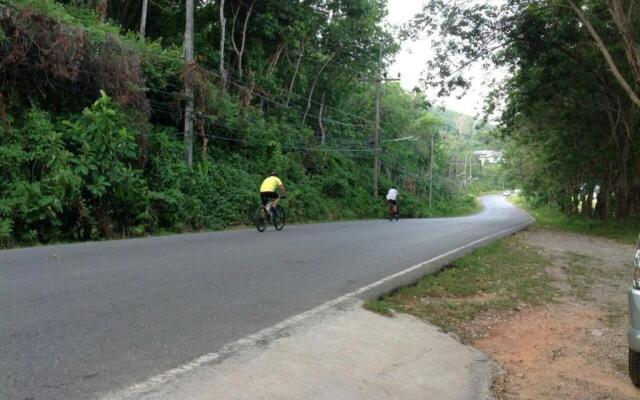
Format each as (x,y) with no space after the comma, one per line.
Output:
(411,61)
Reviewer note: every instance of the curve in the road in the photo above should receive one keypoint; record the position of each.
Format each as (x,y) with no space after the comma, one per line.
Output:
(79,320)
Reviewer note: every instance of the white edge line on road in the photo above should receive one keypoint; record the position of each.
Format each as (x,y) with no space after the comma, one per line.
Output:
(153,383)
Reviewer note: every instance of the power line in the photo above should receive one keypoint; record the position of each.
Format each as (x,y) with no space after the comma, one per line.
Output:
(167,107)
(293,109)
(277,103)
(158,108)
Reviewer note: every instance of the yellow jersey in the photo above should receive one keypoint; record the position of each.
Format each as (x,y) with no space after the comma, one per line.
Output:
(270,184)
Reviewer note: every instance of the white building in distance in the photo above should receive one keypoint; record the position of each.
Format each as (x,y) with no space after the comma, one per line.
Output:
(488,156)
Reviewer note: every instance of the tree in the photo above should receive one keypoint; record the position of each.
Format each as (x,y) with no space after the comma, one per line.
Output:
(563,147)
(143,18)
(188,84)
(625,31)
(239,49)
(221,70)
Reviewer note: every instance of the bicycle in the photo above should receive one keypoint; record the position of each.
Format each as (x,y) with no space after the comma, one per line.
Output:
(393,211)
(265,215)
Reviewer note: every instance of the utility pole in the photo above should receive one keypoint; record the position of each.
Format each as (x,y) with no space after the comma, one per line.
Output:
(431,170)
(188,88)
(464,171)
(376,136)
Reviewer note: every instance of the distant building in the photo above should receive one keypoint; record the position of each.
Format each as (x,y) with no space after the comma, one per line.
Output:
(488,156)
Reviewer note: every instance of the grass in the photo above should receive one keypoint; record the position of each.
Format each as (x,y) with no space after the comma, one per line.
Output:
(378,306)
(548,218)
(463,205)
(581,274)
(505,275)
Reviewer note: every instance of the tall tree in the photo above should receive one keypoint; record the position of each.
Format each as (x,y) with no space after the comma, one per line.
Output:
(188,84)
(624,27)
(221,70)
(143,18)
(239,49)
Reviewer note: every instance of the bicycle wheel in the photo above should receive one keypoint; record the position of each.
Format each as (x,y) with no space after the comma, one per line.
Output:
(261,221)
(279,218)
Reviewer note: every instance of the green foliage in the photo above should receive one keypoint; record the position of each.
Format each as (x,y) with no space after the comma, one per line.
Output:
(37,182)
(568,153)
(116,168)
(6,230)
(502,276)
(490,178)
(553,218)
(378,306)
(113,190)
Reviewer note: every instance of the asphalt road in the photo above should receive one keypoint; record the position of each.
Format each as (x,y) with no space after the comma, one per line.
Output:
(84,319)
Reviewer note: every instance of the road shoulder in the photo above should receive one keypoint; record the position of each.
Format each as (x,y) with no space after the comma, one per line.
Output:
(549,306)
(343,352)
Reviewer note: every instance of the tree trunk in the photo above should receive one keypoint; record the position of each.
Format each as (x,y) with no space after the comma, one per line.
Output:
(320,124)
(587,204)
(188,88)
(3,116)
(221,70)
(205,140)
(102,10)
(605,53)
(313,87)
(622,192)
(295,71)
(240,51)
(123,12)
(604,197)
(626,32)
(273,60)
(143,18)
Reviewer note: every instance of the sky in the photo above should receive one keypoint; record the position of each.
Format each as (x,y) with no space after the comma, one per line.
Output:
(410,62)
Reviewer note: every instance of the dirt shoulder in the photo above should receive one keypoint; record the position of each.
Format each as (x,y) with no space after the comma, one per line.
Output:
(548,306)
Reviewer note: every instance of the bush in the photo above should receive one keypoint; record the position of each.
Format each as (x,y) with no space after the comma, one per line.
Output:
(6,226)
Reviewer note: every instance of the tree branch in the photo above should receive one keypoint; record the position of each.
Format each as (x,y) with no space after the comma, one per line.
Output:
(605,53)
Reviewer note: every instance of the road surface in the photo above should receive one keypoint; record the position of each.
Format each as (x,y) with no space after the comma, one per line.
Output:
(78,321)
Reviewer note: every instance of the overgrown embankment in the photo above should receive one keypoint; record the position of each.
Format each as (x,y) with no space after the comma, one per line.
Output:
(91,144)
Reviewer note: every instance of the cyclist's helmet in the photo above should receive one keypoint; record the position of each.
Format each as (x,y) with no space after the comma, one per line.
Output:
(274,173)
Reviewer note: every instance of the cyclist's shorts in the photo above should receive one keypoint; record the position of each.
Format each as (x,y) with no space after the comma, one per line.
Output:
(392,202)
(266,196)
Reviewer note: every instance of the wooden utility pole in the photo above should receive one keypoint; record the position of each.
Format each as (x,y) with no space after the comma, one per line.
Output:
(143,18)
(376,136)
(188,88)
(431,170)
(464,172)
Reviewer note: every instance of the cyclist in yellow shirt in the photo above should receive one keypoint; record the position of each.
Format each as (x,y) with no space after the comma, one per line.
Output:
(268,190)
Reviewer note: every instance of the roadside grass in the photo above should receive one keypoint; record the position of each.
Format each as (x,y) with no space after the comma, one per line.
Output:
(506,275)
(581,274)
(378,306)
(548,218)
(459,207)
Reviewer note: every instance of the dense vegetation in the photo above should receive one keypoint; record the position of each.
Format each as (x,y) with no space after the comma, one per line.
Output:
(92,117)
(570,100)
